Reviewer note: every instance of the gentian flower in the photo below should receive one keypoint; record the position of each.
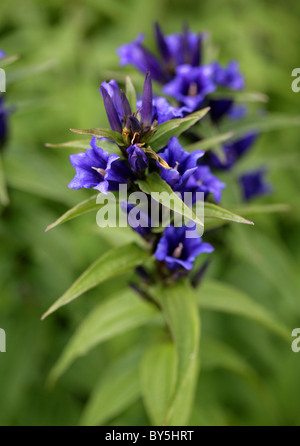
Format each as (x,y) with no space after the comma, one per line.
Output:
(183,164)
(219,108)
(98,170)
(190,85)
(177,250)
(229,77)
(174,50)
(253,184)
(202,180)
(3,123)
(232,152)
(141,223)
(137,158)
(162,111)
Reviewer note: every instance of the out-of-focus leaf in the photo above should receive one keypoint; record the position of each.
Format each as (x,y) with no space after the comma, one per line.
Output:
(218,354)
(116,390)
(158,376)
(115,316)
(5,61)
(272,121)
(169,199)
(111,264)
(3,189)
(241,96)
(209,143)
(16,75)
(217,296)
(174,128)
(179,306)
(101,133)
(257,209)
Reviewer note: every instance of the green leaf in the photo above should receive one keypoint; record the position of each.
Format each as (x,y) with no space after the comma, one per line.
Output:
(101,133)
(179,307)
(272,121)
(5,61)
(29,71)
(174,128)
(213,211)
(111,264)
(117,389)
(240,96)
(154,183)
(109,319)
(3,189)
(130,93)
(209,143)
(158,375)
(218,354)
(217,296)
(82,208)
(257,209)
(82,144)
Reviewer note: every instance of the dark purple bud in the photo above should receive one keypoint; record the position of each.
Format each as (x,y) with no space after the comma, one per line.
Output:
(125,105)
(161,44)
(111,112)
(146,112)
(133,124)
(196,52)
(137,158)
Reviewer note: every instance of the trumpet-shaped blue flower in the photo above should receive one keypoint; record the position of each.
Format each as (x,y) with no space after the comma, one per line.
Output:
(202,180)
(253,184)
(229,77)
(137,158)
(174,49)
(98,170)
(179,251)
(232,152)
(190,85)
(183,164)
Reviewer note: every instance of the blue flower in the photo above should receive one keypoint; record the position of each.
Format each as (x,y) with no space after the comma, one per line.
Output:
(232,152)
(141,222)
(2,54)
(98,170)
(183,164)
(190,85)
(162,111)
(3,123)
(179,251)
(202,180)
(253,184)
(137,158)
(174,49)
(219,108)
(229,77)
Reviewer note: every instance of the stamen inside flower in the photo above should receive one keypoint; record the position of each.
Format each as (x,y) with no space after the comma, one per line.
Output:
(99,170)
(178,251)
(193,89)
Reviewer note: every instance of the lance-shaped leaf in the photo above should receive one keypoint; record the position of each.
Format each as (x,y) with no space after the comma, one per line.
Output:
(104,133)
(118,387)
(82,208)
(213,211)
(179,307)
(111,264)
(166,196)
(209,143)
(272,121)
(84,144)
(217,296)
(5,61)
(174,127)
(158,376)
(107,320)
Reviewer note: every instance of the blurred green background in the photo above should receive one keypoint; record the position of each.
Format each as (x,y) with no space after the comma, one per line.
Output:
(66,49)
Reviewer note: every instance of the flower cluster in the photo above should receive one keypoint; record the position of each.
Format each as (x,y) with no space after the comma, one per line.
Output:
(191,86)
